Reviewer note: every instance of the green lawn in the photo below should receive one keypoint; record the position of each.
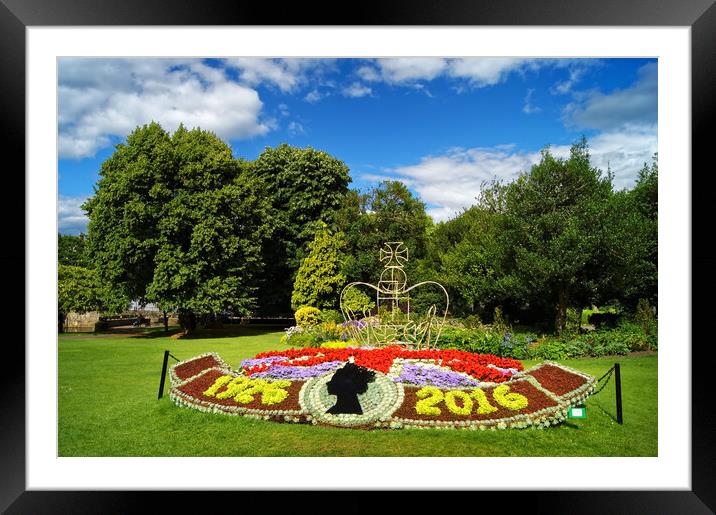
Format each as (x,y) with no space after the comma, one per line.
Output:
(108,407)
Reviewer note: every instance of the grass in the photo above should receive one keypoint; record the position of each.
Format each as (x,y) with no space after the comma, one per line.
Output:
(108,406)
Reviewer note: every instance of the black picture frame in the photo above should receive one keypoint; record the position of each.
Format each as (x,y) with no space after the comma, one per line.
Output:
(699,15)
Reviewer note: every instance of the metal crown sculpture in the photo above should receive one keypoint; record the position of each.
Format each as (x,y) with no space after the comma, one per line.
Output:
(394,325)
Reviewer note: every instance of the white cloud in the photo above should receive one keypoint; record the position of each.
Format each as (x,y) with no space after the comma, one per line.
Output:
(635,105)
(368,73)
(564,87)
(407,69)
(286,74)
(295,129)
(529,108)
(313,96)
(100,99)
(451,182)
(488,71)
(625,151)
(357,90)
(71,219)
(476,72)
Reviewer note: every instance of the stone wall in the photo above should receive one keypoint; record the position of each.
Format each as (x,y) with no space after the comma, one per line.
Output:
(87,321)
(81,320)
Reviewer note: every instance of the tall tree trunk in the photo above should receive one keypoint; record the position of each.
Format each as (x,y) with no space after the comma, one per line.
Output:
(561,319)
(166,322)
(61,322)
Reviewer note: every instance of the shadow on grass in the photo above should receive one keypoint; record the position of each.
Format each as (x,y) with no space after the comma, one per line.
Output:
(136,332)
(175,332)
(601,408)
(228,331)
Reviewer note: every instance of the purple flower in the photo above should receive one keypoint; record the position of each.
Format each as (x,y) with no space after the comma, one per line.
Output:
(425,376)
(296,372)
(248,363)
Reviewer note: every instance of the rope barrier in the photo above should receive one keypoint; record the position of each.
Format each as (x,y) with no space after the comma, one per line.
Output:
(608,375)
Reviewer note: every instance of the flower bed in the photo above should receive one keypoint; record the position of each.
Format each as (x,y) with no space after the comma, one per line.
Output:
(401,388)
(480,367)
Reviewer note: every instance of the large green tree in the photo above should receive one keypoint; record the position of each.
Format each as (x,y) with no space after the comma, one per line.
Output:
(126,208)
(319,279)
(551,229)
(176,221)
(304,186)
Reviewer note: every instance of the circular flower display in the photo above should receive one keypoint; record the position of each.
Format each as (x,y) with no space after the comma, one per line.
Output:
(376,404)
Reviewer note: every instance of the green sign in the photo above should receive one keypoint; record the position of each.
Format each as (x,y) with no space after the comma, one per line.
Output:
(577,412)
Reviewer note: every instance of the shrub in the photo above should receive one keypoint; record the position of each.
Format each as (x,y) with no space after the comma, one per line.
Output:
(551,349)
(331,315)
(512,346)
(579,347)
(453,337)
(307,316)
(645,318)
(483,341)
(356,301)
(302,339)
(609,342)
(615,346)
(635,337)
(626,338)
(499,324)
(313,335)
(329,331)
(472,322)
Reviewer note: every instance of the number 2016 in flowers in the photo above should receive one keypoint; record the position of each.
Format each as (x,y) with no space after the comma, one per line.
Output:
(462,403)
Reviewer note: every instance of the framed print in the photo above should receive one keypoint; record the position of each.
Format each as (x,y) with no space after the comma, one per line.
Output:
(91,77)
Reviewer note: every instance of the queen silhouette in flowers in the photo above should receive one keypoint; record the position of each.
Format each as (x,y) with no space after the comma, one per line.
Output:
(347,382)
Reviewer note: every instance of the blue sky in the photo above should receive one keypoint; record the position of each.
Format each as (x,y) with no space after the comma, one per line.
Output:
(442,126)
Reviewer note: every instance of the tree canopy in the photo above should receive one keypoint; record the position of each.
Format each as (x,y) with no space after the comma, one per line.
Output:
(174,220)
(303,186)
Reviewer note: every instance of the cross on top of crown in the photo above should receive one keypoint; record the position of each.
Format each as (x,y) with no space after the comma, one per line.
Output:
(393,254)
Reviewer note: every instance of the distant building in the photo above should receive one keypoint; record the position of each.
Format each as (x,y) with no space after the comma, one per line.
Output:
(137,306)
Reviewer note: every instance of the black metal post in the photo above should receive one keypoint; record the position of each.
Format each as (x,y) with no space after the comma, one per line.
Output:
(618,388)
(164,374)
